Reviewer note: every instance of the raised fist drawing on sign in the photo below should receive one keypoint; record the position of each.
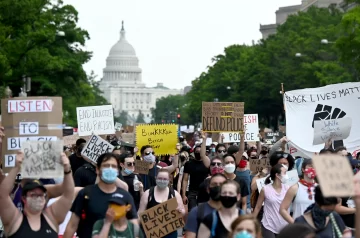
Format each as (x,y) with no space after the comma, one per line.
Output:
(326,112)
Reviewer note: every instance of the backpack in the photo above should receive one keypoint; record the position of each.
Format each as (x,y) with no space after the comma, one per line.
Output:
(87,193)
(215,221)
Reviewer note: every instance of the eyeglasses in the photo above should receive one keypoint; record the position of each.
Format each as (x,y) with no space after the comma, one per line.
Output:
(130,163)
(216,164)
(150,152)
(35,196)
(221,151)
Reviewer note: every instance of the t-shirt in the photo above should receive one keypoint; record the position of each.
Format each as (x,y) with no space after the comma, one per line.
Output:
(76,162)
(328,230)
(181,172)
(198,173)
(348,219)
(245,176)
(131,230)
(97,205)
(129,179)
(192,220)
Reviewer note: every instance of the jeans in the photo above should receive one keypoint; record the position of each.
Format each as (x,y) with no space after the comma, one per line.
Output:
(192,196)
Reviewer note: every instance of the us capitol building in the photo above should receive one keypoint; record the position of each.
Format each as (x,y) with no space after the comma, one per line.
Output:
(122,84)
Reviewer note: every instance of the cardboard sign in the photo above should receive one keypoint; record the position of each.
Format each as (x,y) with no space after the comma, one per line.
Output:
(223,116)
(128,138)
(293,179)
(162,219)
(29,119)
(336,129)
(257,165)
(251,126)
(97,120)
(335,175)
(95,147)
(42,159)
(161,137)
(141,167)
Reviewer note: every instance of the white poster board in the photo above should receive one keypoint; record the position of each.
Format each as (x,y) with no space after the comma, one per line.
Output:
(332,102)
(336,129)
(95,147)
(293,179)
(251,125)
(97,120)
(42,159)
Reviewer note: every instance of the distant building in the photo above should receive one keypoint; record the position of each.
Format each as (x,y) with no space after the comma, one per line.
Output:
(187,89)
(122,83)
(283,13)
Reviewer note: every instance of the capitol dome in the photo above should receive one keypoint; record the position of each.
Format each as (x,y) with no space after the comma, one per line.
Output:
(122,47)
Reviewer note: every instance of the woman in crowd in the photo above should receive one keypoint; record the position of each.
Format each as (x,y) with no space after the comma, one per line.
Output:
(218,223)
(245,227)
(301,195)
(272,195)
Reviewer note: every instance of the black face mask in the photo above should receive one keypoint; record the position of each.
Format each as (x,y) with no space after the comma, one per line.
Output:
(263,152)
(214,193)
(78,151)
(182,158)
(253,157)
(197,156)
(227,201)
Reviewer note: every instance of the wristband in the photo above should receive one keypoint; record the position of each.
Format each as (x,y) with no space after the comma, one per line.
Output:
(67,172)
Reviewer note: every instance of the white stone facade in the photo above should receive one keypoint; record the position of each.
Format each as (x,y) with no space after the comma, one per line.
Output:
(122,84)
(283,13)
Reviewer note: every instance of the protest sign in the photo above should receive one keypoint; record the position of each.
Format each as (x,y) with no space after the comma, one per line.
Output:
(141,167)
(223,116)
(161,137)
(251,127)
(42,159)
(331,102)
(273,137)
(97,120)
(162,219)
(128,138)
(118,126)
(257,165)
(29,119)
(335,175)
(293,179)
(336,129)
(95,147)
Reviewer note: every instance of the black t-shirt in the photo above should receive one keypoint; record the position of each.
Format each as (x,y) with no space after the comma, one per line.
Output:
(76,162)
(348,219)
(129,179)
(149,180)
(220,230)
(97,206)
(244,187)
(197,172)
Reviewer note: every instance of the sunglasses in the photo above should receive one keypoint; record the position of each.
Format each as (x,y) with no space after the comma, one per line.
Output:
(151,152)
(215,164)
(282,155)
(130,163)
(221,151)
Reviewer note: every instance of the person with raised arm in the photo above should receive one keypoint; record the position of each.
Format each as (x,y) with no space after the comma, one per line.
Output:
(35,220)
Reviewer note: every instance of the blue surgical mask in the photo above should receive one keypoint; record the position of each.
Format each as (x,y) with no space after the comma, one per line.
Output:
(149,158)
(243,234)
(109,175)
(128,171)
(213,150)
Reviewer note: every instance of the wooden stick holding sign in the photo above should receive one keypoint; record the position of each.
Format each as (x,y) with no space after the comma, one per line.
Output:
(95,147)
(162,219)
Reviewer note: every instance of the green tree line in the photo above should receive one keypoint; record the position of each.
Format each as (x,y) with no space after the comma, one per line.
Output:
(294,56)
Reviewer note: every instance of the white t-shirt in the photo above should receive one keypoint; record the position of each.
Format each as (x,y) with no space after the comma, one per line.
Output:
(63,225)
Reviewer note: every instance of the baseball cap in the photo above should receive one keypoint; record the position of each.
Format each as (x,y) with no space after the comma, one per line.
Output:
(31,185)
(117,200)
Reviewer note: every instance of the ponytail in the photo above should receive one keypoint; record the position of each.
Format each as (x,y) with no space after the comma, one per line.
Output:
(268,180)
(274,170)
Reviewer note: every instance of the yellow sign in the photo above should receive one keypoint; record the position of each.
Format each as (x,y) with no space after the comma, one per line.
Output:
(161,137)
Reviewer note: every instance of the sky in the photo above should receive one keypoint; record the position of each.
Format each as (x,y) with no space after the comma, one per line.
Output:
(174,40)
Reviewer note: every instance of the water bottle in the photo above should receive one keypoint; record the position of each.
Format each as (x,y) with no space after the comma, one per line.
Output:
(136,184)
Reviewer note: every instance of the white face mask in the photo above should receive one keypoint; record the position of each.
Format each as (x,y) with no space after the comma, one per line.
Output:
(35,204)
(229,168)
(284,178)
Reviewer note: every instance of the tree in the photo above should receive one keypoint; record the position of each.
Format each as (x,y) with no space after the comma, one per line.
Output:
(41,39)
(122,118)
(140,117)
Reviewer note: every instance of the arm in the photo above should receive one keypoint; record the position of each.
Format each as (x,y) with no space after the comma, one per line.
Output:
(204,158)
(238,155)
(180,207)
(121,184)
(143,202)
(76,210)
(184,186)
(277,145)
(284,207)
(342,210)
(259,203)
(60,208)
(174,165)
(72,226)
(204,232)
(103,227)
(54,190)
(180,180)
(253,183)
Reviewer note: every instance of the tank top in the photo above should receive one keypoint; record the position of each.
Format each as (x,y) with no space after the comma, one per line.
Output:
(302,201)
(25,230)
(153,203)
(272,220)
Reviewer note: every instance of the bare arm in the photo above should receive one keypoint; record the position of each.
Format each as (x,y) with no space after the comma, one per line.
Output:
(143,202)
(179,182)
(284,207)
(180,207)
(253,183)
(72,226)
(259,203)
(174,164)
(121,184)
(238,155)
(244,203)
(342,210)
(204,158)
(185,184)
(54,190)
(204,232)
(60,208)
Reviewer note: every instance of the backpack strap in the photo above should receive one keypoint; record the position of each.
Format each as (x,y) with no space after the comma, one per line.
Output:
(214,223)
(87,195)
(151,194)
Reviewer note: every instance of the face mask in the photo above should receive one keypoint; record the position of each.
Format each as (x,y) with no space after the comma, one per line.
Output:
(128,171)
(182,158)
(120,211)
(229,168)
(149,158)
(217,170)
(212,150)
(162,183)
(253,157)
(310,173)
(214,193)
(263,152)
(35,204)
(284,178)
(243,234)
(227,201)
(197,156)
(109,175)
(79,150)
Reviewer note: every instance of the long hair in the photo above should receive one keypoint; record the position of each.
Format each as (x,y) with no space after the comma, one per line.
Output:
(274,170)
